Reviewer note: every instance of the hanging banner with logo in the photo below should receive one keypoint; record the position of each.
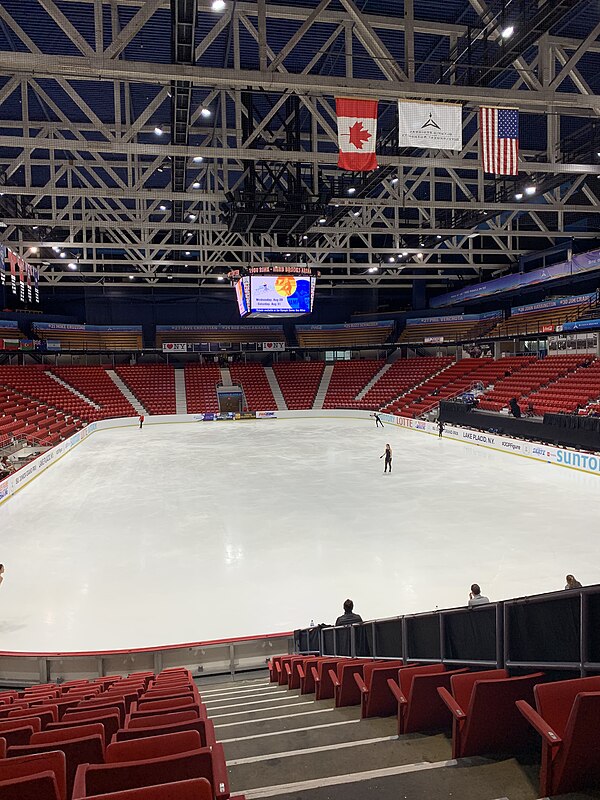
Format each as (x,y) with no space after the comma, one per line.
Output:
(433,125)
(2,265)
(22,274)
(279,346)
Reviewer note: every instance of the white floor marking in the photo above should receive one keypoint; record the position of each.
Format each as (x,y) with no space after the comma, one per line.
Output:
(242,687)
(252,703)
(234,696)
(291,730)
(356,777)
(270,719)
(308,750)
(261,710)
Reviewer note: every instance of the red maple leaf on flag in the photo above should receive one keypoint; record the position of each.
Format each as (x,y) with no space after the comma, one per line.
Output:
(359,135)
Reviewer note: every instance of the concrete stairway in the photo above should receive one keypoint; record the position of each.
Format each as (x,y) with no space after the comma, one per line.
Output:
(279,743)
(68,386)
(226,376)
(323,386)
(126,391)
(276,389)
(373,381)
(180,393)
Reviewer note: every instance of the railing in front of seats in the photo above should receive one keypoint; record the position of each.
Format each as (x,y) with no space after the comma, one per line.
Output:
(554,631)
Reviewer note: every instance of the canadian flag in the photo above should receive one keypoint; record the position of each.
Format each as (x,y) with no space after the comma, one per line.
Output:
(357,133)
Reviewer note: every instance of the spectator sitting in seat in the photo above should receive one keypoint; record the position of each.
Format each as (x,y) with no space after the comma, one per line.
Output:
(348,617)
(1,572)
(572,582)
(475,596)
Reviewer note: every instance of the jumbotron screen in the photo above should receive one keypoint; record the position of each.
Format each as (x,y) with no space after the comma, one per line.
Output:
(275,295)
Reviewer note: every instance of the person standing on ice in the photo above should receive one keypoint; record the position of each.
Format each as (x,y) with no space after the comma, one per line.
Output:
(388,458)
(141,419)
(378,421)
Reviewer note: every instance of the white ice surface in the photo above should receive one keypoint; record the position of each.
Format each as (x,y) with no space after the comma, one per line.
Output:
(192,532)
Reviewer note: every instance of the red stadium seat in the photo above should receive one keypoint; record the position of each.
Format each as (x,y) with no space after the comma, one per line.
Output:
(16,735)
(567,720)
(305,671)
(376,699)
(84,750)
(485,717)
(420,707)
(342,678)
(273,671)
(110,722)
(149,707)
(195,789)
(204,727)
(45,714)
(35,764)
(324,688)
(42,786)
(291,668)
(98,709)
(206,763)
(145,721)
(153,747)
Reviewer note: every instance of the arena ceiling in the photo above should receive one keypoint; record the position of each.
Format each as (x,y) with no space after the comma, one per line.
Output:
(162,143)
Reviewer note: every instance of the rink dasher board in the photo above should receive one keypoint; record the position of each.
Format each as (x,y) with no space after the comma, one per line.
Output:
(557,456)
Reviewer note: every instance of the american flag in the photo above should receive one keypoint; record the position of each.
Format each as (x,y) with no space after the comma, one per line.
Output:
(499,132)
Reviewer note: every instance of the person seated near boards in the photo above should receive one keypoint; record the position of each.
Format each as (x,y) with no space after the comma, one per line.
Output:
(475,596)
(572,582)
(348,617)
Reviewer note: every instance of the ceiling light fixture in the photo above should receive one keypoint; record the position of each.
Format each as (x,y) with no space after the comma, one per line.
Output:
(198,159)
(195,185)
(530,190)
(72,265)
(131,277)
(420,255)
(158,131)
(519,196)
(392,260)
(438,236)
(35,249)
(218,5)
(351,190)
(322,220)
(508,32)
(405,253)
(206,113)
(188,252)
(63,254)
(163,208)
(394,181)
(192,217)
(220,278)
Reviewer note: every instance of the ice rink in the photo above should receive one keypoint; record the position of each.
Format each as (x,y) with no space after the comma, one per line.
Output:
(192,532)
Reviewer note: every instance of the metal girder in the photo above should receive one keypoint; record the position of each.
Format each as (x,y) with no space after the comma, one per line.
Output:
(94,185)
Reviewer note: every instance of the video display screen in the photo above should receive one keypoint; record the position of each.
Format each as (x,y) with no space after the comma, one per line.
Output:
(281,294)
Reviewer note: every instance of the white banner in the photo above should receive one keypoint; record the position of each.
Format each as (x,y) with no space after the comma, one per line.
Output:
(279,346)
(174,347)
(435,125)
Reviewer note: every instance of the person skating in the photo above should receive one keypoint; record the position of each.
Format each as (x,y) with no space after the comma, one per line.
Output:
(378,421)
(388,458)
(440,428)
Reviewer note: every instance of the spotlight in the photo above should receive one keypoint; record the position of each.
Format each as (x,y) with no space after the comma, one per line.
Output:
(420,256)
(35,227)
(72,265)
(158,131)
(519,196)
(392,260)
(188,253)
(530,190)
(508,32)
(35,249)
(198,159)
(305,237)
(322,220)
(56,249)
(218,5)
(288,255)
(206,113)
(404,253)
(195,185)
(163,208)
(63,254)
(131,277)
(373,269)
(220,278)
(351,190)
(394,181)
(438,236)
(356,213)
(191,217)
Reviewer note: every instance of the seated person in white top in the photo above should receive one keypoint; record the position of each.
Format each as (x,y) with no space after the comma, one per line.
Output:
(475,596)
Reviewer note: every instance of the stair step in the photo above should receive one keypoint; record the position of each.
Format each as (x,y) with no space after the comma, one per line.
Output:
(323,386)
(126,392)
(276,390)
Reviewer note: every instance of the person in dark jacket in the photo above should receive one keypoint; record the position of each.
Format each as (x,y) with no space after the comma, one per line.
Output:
(572,582)
(388,458)
(348,617)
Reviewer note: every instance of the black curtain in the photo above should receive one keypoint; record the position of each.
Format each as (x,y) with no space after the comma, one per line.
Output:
(470,635)
(547,631)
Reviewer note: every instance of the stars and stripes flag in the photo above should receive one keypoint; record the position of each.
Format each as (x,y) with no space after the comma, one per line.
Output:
(499,133)
(357,133)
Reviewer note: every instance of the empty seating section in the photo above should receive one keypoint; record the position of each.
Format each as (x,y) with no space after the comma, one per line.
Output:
(402,376)
(332,337)
(235,334)
(347,380)
(91,337)
(446,329)
(463,376)
(9,330)
(299,382)
(35,407)
(569,393)
(59,746)
(526,381)
(201,388)
(535,321)
(97,385)
(253,380)
(152,384)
